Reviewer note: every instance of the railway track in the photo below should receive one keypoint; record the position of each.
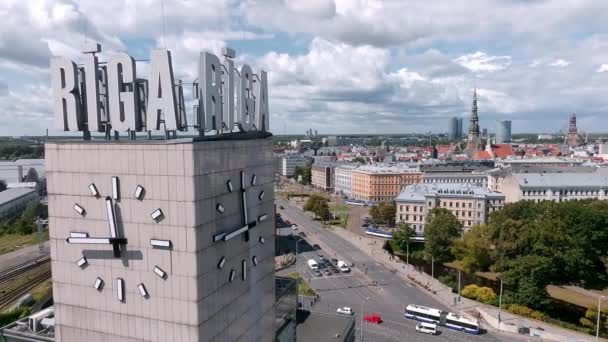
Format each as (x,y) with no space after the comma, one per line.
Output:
(18,280)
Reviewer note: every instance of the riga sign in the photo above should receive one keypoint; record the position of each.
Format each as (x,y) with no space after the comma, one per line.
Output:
(101,97)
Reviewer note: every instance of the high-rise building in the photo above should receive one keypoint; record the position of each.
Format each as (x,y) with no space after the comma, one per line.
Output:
(572,138)
(460,128)
(453,129)
(503,132)
(473,140)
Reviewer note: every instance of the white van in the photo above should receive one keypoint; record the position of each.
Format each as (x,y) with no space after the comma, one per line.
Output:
(427,328)
(313,264)
(343,266)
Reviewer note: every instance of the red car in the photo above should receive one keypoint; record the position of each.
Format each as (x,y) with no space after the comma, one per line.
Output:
(373,319)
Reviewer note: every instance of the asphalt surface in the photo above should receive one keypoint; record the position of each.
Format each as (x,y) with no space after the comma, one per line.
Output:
(387,299)
(20,255)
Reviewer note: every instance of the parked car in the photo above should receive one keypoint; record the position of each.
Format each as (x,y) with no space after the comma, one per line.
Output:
(294,226)
(365,225)
(327,272)
(334,261)
(335,270)
(317,273)
(302,234)
(315,246)
(345,310)
(372,319)
(281,207)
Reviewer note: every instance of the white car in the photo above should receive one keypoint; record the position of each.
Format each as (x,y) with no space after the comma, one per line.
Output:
(294,226)
(345,310)
(427,328)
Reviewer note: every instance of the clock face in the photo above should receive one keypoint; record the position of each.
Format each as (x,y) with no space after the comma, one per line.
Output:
(115,239)
(247,184)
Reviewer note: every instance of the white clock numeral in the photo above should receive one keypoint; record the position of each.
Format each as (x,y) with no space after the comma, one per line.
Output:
(254,260)
(218,237)
(98,284)
(160,243)
(142,290)
(156,214)
(82,262)
(115,192)
(93,190)
(261,239)
(244,266)
(120,289)
(229,184)
(232,275)
(78,209)
(159,272)
(254,178)
(222,262)
(219,208)
(139,192)
(261,196)
(262,218)
(79,235)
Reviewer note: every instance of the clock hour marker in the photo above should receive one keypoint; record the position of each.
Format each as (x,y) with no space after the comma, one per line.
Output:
(78,209)
(115,190)
(157,214)
(261,195)
(229,184)
(160,243)
(79,235)
(98,284)
(219,208)
(262,218)
(244,267)
(254,178)
(232,275)
(218,237)
(220,265)
(261,239)
(142,290)
(254,260)
(120,289)
(159,272)
(93,190)
(82,262)
(139,192)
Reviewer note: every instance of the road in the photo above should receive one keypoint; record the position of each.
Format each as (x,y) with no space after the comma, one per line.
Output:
(387,299)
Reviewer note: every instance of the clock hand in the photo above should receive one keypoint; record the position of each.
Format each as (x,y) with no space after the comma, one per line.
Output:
(112,224)
(244,197)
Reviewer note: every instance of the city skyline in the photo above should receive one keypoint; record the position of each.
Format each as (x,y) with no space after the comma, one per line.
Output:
(350,67)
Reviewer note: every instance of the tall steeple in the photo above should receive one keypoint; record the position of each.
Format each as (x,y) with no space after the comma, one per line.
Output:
(572,138)
(473,142)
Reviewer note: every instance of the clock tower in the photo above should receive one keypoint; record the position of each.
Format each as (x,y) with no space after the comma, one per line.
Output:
(163,240)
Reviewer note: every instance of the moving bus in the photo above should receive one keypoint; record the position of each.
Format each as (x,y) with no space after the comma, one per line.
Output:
(444,318)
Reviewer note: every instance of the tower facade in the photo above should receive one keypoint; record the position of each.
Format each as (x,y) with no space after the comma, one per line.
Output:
(474,141)
(572,138)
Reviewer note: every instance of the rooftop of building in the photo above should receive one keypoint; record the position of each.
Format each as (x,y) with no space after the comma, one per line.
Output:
(459,166)
(389,168)
(597,179)
(322,327)
(548,160)
(9,168)
(523,168)
(473,174)
(418,192)
(10,195)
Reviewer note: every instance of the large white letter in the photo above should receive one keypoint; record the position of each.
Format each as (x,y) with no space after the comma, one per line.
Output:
(245,98)
(210,101)
(65,93)
(261,102)
(161,97)
(122,93)
(228,93)
(91,78)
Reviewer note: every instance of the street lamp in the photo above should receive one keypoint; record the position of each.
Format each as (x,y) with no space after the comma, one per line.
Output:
(499,303)
(599,314)
(361,316)
(299,275)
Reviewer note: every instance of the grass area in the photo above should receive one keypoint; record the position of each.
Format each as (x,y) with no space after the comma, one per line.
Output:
(457,264)
(303,287)
(11,242)
(571,296)
(338,207)
(41,290)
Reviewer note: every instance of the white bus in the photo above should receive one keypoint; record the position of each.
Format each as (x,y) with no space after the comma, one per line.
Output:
(422,313)
(456,322)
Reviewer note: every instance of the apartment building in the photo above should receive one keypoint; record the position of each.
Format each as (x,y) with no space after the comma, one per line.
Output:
(289,162)
(470,204)
(322,175)
(343,179)
(557,187)
(472,178)
(379,183)
(497,176)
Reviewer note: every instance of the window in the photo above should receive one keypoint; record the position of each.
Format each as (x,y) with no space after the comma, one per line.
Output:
(415,208)
(457,205)
(470,204)
(450,204)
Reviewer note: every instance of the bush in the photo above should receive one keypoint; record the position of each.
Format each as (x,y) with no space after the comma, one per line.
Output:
(481,294)
(524,311)
(13,315)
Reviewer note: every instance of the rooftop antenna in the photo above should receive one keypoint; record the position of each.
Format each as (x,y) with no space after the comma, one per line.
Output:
(162,8)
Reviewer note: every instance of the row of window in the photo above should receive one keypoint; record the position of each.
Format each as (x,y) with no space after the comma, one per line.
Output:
(563,192)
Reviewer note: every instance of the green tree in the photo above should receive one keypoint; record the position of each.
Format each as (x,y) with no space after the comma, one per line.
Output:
(402,236)
(384,212)
(312,201)
(440,230)
(359,160)
(321,210)
(305,172)
(528,277)
(474,250)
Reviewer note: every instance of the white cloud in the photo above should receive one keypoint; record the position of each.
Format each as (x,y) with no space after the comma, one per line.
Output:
(559,63)
(482,62)
(602,68)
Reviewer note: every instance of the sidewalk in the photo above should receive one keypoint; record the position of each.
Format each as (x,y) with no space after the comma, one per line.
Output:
(539,331)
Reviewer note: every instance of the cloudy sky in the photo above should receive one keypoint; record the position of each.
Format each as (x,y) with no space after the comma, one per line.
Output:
(339,66)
